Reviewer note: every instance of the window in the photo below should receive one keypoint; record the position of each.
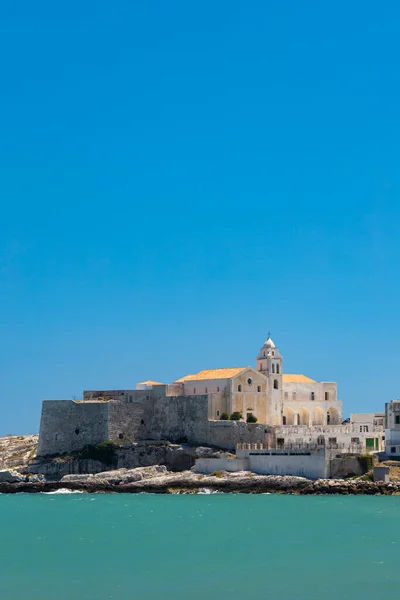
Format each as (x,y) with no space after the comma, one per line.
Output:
(249,381)
(263,353)
(283,420)
(277,369)
(259,388)
(332,440)
(326,396)
(194,390)
(217,413)
(273,354)
(361,428)
(239,388)
(393,449)
(294,395)
(355,440)
(312,395)
(217,388)
(206,390)
(366,428)
(121,436)
(397,419)
(273,368)
(130,398)
(276,386)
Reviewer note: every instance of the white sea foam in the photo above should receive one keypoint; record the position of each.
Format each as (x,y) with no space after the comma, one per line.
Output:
(64,491)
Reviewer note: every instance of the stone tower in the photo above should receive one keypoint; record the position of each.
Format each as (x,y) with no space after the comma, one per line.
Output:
(269,363)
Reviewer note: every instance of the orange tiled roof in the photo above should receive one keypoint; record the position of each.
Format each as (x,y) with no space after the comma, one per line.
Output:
(286,378)
(212,374)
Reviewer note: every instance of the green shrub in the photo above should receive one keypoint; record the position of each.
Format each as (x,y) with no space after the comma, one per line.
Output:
(366,462)
(216,474)
(105,452)
(224,417)
(251,418)
(236,416)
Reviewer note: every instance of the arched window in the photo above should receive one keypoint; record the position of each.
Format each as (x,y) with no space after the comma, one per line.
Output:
(277,369)
(206,390)
(259,388)
(273,368)
(239,388)
(194,390)
(276,386)
(217,388)
(283,420)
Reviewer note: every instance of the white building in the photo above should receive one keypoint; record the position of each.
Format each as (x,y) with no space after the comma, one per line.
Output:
(392,431)
(368,422)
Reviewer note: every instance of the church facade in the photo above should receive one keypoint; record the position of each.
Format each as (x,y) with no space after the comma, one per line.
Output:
(273,397)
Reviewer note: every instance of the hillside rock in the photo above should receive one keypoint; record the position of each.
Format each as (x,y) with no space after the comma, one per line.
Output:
(118,476)
(10,476)
(174,457)
(17,450)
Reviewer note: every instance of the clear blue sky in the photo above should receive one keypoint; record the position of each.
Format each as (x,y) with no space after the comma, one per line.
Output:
(178,178)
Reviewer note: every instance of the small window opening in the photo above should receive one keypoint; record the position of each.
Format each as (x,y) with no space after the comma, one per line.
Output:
(217,413)
(194,390)
(397,420)
(326,396)
(259,388)
(205,390)
(312,395)
(273,368)
(77,431)
(239,388)
(121,436)
(393,449)
(277,369)
(276,385)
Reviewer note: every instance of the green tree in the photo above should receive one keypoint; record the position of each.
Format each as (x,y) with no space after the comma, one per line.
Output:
(236,416)
(224,417)
(251,418)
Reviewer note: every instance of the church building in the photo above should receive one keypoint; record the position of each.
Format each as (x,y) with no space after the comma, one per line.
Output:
(273,397)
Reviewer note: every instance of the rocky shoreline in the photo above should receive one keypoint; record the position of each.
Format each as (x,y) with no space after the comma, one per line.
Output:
(160,481)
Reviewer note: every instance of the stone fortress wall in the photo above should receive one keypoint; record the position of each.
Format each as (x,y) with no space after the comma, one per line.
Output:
(65,424)
(134,416)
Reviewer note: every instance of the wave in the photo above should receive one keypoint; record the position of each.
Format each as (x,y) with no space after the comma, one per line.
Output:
(64,491)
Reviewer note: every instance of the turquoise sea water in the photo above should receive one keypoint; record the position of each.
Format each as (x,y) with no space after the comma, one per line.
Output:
(147,547)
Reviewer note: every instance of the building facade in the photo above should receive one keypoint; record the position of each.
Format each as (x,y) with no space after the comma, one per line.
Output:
(273,397)
(392,431)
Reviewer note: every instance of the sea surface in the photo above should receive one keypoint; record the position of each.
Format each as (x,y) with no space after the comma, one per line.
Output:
(211,546)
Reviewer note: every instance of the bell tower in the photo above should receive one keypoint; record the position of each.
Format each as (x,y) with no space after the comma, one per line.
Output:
(269,363)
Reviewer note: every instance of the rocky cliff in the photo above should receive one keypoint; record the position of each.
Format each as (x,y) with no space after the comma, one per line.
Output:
(17,450)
